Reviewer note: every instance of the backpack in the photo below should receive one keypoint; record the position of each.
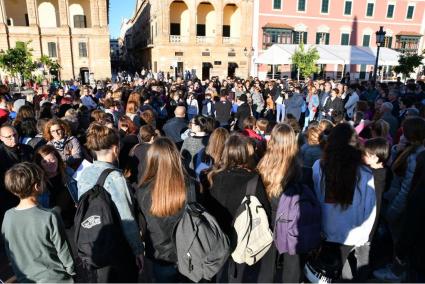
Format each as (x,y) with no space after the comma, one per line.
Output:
(254,236)
(98,235)
(298,221)
(202,247)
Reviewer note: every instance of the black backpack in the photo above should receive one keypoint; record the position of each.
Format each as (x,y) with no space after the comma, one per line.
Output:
(98,233)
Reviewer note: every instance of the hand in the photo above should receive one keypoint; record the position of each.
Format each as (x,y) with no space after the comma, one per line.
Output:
(140,261)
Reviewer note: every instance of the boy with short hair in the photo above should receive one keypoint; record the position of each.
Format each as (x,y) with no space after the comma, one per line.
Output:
(34,237)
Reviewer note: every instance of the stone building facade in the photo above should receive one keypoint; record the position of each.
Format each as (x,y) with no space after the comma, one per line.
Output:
(208,38)
(75,32)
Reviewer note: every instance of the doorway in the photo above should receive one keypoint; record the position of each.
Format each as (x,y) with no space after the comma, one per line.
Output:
(85,75)
(231,69)
(206,66)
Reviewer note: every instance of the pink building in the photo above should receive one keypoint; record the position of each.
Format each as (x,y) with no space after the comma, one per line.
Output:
(337,22)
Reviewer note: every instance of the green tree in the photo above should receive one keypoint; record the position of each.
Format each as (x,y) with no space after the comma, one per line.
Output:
(18,60)
(306,60)
(49,65)
(408,63)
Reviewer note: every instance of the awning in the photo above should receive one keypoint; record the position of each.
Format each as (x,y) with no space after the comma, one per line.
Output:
(275,55)
(330,54)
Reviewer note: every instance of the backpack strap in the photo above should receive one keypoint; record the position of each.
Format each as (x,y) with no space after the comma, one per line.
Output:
(251,187)
(102,178)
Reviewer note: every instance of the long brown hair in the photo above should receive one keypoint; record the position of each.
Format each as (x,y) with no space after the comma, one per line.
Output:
(414,132)
(238,152)
(279,165)
(216,142)
(166,177)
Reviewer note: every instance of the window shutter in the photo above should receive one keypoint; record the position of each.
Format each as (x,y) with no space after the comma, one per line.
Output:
(327,38)
(305,38)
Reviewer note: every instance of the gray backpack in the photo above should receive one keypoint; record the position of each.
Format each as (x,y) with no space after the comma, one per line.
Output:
(202,247)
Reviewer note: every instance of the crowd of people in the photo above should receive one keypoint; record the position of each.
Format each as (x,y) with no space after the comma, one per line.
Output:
(358,147)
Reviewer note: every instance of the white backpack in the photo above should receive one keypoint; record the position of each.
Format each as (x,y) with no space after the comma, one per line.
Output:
(252,228)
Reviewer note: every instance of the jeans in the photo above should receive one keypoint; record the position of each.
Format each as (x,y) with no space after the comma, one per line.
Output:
(280,112)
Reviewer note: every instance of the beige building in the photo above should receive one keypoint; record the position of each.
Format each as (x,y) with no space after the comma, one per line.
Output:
(75,32)
(209,38)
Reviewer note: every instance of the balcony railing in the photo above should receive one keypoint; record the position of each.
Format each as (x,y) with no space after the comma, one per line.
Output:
(231,40)
(204,39)
(178,39)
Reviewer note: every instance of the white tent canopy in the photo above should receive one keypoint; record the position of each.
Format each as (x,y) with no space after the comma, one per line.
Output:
(280,54)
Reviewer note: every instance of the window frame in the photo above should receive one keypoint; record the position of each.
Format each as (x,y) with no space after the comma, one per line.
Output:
(351,9)
(327,37)
(413,12)
(86,52)
(348,41)
(83,21)
(388,5)
(363,41)
(277,9)
(49,44)
(373,10)
(305,6)
(304,37)
(321,7)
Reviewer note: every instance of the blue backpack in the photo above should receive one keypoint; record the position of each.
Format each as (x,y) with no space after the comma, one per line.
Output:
(298,221)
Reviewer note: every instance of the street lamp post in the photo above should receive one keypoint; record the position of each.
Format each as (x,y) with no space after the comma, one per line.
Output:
(380,39)
(248,54)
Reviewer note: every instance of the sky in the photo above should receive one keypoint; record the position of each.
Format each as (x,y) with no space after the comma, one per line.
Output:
(119,9)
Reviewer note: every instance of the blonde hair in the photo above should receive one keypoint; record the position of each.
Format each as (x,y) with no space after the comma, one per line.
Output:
(279,165)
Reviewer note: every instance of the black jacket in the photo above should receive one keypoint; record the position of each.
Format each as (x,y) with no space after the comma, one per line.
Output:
(8,158)
(174,128)
(223,111)
(243,112)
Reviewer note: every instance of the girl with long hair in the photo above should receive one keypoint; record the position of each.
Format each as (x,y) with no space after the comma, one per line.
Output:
(161,196)
(280,169)
(404,156)
(228,181)
(61,189)
(346,191)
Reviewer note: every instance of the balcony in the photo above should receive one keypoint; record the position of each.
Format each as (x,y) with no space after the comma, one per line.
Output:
(179,39)
(204,39)
(231,40)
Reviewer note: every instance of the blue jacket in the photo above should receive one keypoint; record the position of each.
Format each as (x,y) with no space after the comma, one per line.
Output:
(116,185)
(399,190)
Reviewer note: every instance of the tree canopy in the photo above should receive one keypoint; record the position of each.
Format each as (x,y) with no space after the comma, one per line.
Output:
(306,60)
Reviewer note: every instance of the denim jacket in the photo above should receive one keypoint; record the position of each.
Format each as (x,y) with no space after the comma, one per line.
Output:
(116,185)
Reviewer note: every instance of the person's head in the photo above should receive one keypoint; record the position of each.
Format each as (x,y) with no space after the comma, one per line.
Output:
(199,124)
(165,176)
(25,112)
(392,95)
(148,116)
(135,97)
(216,142)
(49,159)
(380,128)
(376,152)
(56,129)
(335,92)
(242,99)
(340,162)
(328,87)
(147,133)
(249,123)
(279,165)
(261,125)
(180,111)
(9,136)
(25,180)
(126,125)
(386,107)
(104,141)
(27,128)
(131,108)
(314,132)
(238,152)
